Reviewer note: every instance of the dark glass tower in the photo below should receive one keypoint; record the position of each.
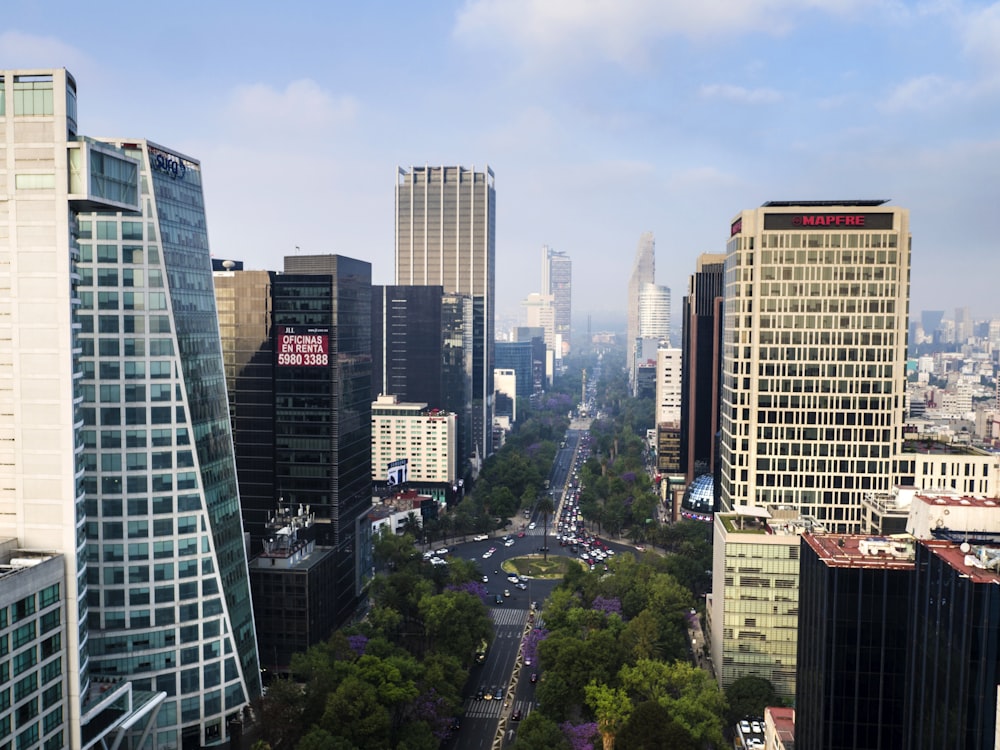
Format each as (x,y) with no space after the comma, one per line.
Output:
(854,608)
(322,392)
(407,343)
(701,340)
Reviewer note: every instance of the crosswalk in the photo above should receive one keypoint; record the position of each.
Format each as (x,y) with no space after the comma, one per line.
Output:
(475,709)
(508,616)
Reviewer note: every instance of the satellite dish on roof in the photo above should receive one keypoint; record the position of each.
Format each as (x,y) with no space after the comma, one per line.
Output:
(965,547)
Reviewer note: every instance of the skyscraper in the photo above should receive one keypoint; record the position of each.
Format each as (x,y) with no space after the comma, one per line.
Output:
(322,391)
(115,409)
(446,236)
(701,338)
(643,272)
(654,313)
(814,356)
(557,280)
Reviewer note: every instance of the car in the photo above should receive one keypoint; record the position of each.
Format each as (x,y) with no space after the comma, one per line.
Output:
(513,577)
(756,728)
(498,599)
(745,727)
(487,555)
(441,552)
(480,537)
(488,696)
(498,695)
(481,694)
(509,543)
(455,725)
(522,586)
(506,592)
(486,579)
(639,548)
(527,661)
(531,525)
(534,677)
(516,716)
(520,535)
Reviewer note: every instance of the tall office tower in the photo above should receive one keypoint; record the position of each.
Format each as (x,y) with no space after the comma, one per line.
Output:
(654,312)
(115,410)
(407,341)
(931,322)
(700,346)
(163,510)
(668,385)
(643,272)
(963,325)
(854,609)
(243,299)
(517,356)
(446,236)
(954,669)
(557,280)
(322,390)
(540,312)
(814,356)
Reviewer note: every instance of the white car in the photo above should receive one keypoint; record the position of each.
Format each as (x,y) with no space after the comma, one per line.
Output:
(480,537)
(442,551)
(487,555)
(509,543)
(531,525)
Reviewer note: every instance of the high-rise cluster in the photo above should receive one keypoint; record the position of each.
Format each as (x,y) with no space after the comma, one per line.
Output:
(120,454)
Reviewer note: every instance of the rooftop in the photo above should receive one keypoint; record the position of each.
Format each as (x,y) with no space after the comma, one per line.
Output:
(859,551)
(955,500)
(968,560)
(819,204)
(937,447)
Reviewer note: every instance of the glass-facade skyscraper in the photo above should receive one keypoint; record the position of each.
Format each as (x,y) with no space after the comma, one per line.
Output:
(115,406)
(168,591)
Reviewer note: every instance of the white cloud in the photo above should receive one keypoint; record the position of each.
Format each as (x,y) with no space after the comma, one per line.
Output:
(622,31)
(929,93)
(33,51)
(302,106)
(981,36)
(740,94)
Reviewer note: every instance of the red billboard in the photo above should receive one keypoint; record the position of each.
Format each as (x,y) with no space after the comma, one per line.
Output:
(303,346)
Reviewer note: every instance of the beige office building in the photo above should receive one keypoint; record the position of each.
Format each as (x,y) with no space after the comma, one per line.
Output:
(424,437)
(814,356)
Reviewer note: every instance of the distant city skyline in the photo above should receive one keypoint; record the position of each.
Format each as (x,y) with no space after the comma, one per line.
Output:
(600,122)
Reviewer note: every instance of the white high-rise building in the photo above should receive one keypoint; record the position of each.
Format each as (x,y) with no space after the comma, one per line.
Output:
(668,385)
(643,272)
(557,280)
(814,356)
(120,454)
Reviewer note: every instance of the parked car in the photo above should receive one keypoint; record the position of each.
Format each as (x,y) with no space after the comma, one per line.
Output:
(480,537)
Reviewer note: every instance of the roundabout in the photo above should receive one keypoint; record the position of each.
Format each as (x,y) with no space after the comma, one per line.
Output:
(536,566)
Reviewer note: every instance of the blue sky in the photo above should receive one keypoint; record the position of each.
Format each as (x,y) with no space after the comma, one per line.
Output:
(602,119)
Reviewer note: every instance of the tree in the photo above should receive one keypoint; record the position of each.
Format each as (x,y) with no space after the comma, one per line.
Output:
(686,692)
(545,507)
(749,696)
(611,707)
(651,727)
